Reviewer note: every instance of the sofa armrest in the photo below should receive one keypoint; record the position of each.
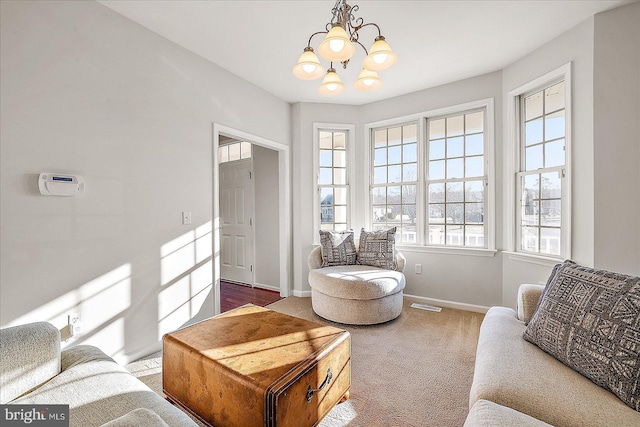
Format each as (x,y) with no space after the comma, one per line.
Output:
(29,357)
(315,258)
(528,297)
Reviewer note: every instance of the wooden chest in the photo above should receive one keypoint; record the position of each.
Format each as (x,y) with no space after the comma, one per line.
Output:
(256,367)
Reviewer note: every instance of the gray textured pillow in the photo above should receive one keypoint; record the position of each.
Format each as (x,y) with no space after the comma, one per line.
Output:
(590,320)
(377,248)
(338,248)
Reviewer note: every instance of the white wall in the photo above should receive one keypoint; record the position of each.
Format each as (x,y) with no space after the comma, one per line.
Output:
(575,46)
(267,256)
(617,139)
(87,91)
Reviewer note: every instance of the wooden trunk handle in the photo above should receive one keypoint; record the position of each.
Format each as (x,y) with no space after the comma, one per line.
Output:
(326,381)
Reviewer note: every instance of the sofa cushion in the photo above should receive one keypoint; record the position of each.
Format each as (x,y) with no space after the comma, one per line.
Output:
(377,248)
(30,356)
(99,390)
(590,320)
(356,282)
(515,373)
(141,417)
(338,248)
(489,414)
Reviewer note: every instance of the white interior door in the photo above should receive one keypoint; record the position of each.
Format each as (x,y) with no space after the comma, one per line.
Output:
(236,220)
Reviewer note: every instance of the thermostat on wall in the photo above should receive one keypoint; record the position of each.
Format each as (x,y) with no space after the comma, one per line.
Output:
(54,184)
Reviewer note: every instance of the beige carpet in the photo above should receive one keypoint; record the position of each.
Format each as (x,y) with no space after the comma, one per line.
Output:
(413,371)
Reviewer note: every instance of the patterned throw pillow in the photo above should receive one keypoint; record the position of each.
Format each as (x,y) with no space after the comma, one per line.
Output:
(377,248)
(338,248)
(590,320)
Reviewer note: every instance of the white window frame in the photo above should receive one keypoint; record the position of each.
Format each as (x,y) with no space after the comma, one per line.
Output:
(512,168)
(350,141)
(421,198)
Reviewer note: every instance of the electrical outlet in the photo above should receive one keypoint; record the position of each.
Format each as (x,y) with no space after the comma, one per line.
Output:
(418,268)
(186,218)
(75,324)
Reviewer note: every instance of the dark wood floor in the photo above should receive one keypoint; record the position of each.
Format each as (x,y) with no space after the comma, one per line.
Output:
(233,295)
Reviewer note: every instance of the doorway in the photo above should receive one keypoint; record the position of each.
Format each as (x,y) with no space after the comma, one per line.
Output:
(237,222)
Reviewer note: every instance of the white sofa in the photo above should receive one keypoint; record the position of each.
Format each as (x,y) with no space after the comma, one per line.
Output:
(515,383)
(99,392)
(356,294)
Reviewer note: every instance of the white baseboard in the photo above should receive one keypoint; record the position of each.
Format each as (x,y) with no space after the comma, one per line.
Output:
(449,304)
(267,287)
(301,294)
(123,359)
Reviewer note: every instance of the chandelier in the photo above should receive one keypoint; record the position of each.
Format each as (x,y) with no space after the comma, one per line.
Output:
(342,34)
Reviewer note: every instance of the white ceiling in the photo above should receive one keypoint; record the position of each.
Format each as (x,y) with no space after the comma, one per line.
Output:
(437,42)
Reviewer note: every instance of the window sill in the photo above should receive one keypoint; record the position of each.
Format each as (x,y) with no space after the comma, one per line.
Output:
(533,259)
(447,250)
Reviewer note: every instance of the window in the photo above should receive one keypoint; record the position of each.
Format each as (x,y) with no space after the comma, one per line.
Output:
(456,180)
(234,151)
(395,180)
(542,170)
(332,180)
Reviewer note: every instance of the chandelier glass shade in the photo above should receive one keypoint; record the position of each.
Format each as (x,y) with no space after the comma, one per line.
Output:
(339,45)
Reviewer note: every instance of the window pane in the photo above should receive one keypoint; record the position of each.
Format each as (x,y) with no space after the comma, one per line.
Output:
(554,125)
(380,195)
(395,154)
(326,227)
(455,126)
(455,147)
(475,166)
(340,227)
(393,213)
(409,234)
(410,172)
(380,138)
(474,191)
(554,153)
(340,158)
(436,214)
(436,149)
(436,129)
(326,196)
(529,239)
(554,98)
(436,193)
(395,173)
(339,140)
(325,158)
(223,154)
(531,186)
(436,170)
(474,235)
(474,122)
(325,176)
(533,132)
(455,213)
(409,194)
(550,212)
(380,175)
(474,145)
(533,158)
(325,140)
(410,133)
(379,214)
(455,168)
(533,106)
(530,212)
(340,196)
(380,156)
(326,214)
(410,153)
(455,192)
(393,195)
(340,213)
(245,150)
(339,176)
(436,234)
(455,235)
(409,216)
(551,186)
(550,241)
(474,213)
(234,151)
(395,136)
